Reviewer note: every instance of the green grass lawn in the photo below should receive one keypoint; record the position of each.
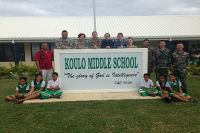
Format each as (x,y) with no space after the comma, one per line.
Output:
(101,116)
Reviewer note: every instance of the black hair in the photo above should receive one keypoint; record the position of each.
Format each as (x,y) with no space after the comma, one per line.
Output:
(64,31)
(79,35)
(146,74)
(163,77)
(107,34)
(172,74)
(55,73)
(146,40)
(23,78)
(36,75)
(120,34)
(179,42)
(161,41)
(130,38)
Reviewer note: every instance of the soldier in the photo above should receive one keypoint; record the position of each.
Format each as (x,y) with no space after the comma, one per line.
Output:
(120,42)
(95,41)
(130,43)
(162,60)
(180,60)
(107,42)
(151,56)
(64,42)
(82,43)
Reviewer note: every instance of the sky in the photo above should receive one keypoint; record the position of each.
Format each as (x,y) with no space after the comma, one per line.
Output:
(103,7)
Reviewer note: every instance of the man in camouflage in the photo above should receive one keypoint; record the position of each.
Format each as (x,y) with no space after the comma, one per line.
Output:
(151,56)
(162,60)
(180,60)
(95,41)
(64,42)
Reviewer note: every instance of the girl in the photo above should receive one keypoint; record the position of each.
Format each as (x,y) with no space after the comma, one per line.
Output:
(37,85)
(163,86)
(82,43)
(21,90)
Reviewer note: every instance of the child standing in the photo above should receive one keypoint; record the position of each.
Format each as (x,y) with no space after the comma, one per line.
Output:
(163,86)
(21,90)
(37,85)
(176,90)
(53,88)
(147,86)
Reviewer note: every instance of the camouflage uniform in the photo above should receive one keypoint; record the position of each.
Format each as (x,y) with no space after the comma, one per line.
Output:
(82,45)
(66,42)
(179,64)
(95,41)
(151,60)
(162,62)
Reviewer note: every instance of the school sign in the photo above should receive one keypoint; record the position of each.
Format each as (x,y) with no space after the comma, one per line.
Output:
(101,70)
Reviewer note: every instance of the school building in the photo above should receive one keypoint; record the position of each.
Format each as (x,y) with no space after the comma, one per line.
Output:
(20,37)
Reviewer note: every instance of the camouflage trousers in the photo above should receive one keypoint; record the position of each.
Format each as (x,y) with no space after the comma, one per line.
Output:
(161,71)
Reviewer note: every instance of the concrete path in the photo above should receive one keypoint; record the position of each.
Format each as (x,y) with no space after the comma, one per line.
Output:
(94,96)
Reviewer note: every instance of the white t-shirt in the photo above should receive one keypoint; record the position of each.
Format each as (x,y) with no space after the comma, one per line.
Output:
(42,84)
(53,83)
(147,84)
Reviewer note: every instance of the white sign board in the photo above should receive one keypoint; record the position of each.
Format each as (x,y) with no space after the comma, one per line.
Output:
(105,70)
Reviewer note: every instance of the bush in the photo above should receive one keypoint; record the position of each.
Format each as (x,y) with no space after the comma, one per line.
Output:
(4,71)
(16,71)
(194,70)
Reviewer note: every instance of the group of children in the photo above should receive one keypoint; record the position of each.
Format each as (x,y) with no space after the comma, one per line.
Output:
(167,90)
(37,89)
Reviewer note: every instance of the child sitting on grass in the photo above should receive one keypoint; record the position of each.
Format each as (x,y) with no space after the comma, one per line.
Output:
(37,85)
(21,90)
(147,86)
(53,88)
(176,90)
(162,86)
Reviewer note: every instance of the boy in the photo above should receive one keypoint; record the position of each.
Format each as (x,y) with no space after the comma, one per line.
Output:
(176,90)
(21,90)
(53,88)
(147,86)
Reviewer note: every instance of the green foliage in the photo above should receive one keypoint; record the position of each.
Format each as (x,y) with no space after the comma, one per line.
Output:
(19,70)
(194,70)
(4,71)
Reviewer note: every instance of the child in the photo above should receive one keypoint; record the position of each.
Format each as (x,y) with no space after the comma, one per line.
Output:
(53,88)
(163,86)
(176,90)
(37,85)
(147,86)
(21,90)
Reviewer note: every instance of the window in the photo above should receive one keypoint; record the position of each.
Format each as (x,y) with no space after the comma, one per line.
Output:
(21,51)
(10,52)
(52,45)
(36,47)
